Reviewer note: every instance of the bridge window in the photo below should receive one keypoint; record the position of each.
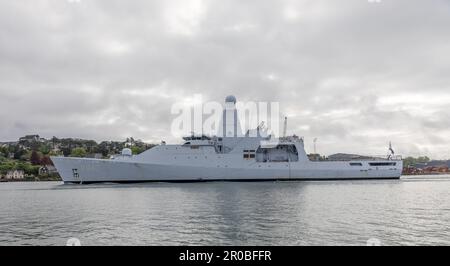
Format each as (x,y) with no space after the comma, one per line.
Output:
(383,164)
(280,153)
(356,164)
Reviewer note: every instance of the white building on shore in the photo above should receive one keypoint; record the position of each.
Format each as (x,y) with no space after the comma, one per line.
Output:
(14,175)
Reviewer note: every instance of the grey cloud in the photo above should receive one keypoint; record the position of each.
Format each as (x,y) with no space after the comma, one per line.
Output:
(109,69)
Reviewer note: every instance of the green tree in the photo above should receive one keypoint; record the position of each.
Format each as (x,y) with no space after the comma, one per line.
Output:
(28,168)
(4,151)
(20,154)
(410,161)
(78,152)
(45,149)
(423,159)
(6,166)
(136,150)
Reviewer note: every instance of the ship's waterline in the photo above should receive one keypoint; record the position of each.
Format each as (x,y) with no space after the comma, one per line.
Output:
(255,156)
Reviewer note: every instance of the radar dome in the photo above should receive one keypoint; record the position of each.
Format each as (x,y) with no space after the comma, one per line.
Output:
(127,152)
(230,99)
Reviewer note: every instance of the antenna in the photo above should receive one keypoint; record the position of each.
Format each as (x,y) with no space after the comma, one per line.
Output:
(391,151)
(315,141)
(285,127)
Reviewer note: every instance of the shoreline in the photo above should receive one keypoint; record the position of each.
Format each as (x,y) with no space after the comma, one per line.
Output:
(60,180)
(27,180)
(427,174)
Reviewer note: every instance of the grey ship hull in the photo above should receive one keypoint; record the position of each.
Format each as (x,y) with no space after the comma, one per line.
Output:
(80,170)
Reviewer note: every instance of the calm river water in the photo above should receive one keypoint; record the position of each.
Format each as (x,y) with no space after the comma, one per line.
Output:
(411,211)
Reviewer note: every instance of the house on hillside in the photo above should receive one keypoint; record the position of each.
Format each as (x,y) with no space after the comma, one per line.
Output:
(435,166)
(15,175)
(30,138)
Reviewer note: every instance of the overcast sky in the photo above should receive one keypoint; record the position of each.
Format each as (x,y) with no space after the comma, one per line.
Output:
(353,73)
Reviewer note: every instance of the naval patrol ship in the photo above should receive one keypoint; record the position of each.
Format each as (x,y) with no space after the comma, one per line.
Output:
(245,157)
